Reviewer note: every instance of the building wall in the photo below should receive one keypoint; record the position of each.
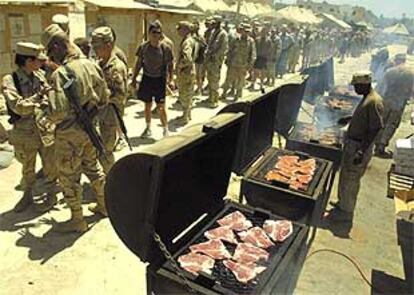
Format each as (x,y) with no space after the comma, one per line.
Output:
(22,23)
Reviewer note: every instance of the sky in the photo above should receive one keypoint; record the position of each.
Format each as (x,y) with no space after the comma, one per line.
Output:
(394,8)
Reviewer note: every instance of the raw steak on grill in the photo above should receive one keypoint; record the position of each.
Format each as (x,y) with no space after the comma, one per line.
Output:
(213,248)
(278,230)
(297,185)
(196,263)
(246,253)
(304,179)
(257,237)
(244,272)
(235,221)
(274,175)
(223,233)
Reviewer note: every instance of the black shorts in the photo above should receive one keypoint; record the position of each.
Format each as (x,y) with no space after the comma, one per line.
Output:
(261,63)
(152,88)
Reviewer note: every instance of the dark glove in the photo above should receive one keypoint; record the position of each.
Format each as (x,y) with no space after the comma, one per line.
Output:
(358,157)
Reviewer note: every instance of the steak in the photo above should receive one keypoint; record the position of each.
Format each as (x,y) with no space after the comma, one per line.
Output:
(196,263)
(278,230)
(223,233)
(213,248)
(257,237)
(235,221)
(246,253)
(339,104)
(274,175)
(244,272)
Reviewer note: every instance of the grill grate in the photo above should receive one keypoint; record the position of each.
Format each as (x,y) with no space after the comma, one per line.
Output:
(310,133)
(260,173)
(224,276)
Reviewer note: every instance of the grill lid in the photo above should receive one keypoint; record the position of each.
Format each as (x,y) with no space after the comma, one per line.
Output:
(170,185)
(257,132)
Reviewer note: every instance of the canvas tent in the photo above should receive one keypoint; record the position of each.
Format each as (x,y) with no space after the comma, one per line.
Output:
(329,20)
(397,29)
(293,14)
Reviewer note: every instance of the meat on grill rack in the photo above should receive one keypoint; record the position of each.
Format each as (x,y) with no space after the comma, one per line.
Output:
(338,104)
(235,221)
(213,248)
(328,136)
(246,253)
(196,263)
(244,272)
(293,171)
(223,233)
(279,230)
(257,237)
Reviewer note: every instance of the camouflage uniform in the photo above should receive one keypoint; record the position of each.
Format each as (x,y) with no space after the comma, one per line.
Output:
(397,89)
(75,152)
(275,49)
(363,128)
(116,75)
(216,50)
(25,135)
(186,73)
(242,55)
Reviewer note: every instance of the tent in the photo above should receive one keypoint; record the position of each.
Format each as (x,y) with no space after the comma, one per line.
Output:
(398,29)
(293,14)
(331,21)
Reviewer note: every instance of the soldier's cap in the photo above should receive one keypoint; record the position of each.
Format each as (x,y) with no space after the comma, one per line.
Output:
(155,26)
(184,24)
(101,36)
(61,20)
(246,27)
(31,49)
(51,32)
(208,20)
(81,41)
(363,77)
(217,18)
(401,57)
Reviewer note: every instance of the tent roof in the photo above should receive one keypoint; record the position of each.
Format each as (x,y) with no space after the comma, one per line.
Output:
(36,2)
(294,14)
(253,9)
(212,5)
(121,4)
(335,20)
(398,29)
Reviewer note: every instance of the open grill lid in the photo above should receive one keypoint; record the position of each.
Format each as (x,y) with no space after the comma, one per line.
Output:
(257,132)
(174,183)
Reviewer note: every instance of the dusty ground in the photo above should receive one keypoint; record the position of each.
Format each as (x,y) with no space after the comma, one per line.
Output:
(34,260)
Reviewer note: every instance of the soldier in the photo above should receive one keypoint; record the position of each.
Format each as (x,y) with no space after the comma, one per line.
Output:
(156,60)
(62,21)
(118,51)
(263,47)
(115,73)
(287,43)
(396,89)
(275,48)
(242,58)
(364,126)
(185,70)
(216,50)
(199,52)
(307,44)
(230,74)
(25,91)
(79,88)
(84,46)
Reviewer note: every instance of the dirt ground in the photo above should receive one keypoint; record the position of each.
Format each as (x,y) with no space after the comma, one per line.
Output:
(35,260)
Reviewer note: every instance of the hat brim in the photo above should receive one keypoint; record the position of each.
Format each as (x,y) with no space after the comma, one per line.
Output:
(42,56)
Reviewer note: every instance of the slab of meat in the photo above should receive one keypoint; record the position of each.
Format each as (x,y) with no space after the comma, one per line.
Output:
(244,272)
(196,263)
(257,237)
(213,248)
(274,175)
(339,104)
(307,163)
(297,185)
(304,179)
(288,159)
(278,230)
(223,233)
(306,170)
(235,221)
(246,253)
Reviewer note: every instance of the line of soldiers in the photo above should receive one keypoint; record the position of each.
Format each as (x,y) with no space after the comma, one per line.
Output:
(54,105)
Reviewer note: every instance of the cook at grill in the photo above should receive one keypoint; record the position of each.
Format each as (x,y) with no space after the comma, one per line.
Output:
(364,126)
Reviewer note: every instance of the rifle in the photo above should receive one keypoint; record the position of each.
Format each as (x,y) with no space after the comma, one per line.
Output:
(122,125)
(82,115)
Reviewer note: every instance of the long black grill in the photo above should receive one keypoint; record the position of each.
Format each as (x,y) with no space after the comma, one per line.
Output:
(222,278)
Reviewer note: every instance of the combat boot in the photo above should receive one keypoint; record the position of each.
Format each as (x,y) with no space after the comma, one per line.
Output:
(49,202)
(25,202)
(75,224)
(99,207)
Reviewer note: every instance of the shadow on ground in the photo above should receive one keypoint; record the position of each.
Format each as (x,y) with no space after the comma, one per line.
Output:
(51,243)
(137,141)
